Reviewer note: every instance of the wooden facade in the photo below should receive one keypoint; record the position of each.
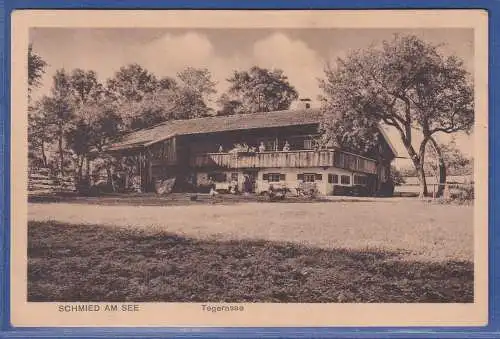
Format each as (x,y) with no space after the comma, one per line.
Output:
(278,159)
(201,152)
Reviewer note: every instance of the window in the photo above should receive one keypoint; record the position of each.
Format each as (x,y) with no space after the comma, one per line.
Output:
(333,178)
(234,176)
(360,180)
(218,177)
(310,177)
(308,144)
(274,177)
(345,179)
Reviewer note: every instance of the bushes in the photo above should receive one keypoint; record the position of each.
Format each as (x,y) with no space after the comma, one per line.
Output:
(356,191)
(309,189)
(461,194)
(386,189)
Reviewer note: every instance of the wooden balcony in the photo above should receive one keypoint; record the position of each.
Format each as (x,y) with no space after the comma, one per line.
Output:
(300,159)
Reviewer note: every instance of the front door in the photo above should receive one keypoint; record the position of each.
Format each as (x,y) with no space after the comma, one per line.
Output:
(249,183)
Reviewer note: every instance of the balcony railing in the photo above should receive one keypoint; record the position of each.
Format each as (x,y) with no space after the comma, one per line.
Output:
(302,158)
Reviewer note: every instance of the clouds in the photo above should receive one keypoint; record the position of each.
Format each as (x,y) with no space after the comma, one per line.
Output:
(300,63)
(174,52)
(171,53)
(301,54)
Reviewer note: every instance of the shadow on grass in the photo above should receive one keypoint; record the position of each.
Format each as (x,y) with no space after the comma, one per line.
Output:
(178,199)
(95,263)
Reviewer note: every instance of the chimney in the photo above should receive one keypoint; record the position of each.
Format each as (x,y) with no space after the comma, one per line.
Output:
(305,103)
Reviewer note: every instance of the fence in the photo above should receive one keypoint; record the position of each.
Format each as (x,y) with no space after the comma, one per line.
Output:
(41,181)
(451,190)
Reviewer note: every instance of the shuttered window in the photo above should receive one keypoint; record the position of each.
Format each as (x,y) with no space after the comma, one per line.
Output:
(333,178)
(274,177)
(309,177)
(360,180)
(345,179)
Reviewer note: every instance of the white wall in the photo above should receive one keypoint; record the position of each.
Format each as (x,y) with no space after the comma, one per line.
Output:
(291,181)
(291,177)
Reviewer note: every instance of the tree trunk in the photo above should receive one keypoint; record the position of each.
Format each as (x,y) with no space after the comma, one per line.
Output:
(442,168)
(61,151)
(80,168)
(421,180)
(110,177)
(44,156)
(418,163)
(421,168)
(87,170)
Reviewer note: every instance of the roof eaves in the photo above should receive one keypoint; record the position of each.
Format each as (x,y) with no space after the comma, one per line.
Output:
(124,147)
(388,140)
(149,143)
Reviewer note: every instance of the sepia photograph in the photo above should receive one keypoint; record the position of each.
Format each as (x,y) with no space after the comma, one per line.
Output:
(260,164)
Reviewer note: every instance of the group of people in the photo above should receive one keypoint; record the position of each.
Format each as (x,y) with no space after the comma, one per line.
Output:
(252,149)
(247,186)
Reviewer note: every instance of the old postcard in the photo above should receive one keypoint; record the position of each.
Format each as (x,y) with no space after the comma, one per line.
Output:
(249,168)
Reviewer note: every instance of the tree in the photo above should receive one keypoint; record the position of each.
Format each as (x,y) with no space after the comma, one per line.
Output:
(36,69)
(129,86)
(167,83)
(85,86)
(199,81)
(261,90)
(455,161)
(144,101)
(91,132)
(59,109)
(196,89)
(229,106)
(39,135)
(396,176)
(131,83)
(404,83)
(95,118)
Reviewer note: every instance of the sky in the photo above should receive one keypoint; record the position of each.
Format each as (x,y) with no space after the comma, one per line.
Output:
(301,53)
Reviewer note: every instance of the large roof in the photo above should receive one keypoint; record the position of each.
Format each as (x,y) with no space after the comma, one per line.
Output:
(168,129)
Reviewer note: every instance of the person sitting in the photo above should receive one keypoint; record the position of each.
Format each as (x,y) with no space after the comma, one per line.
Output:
(213,192)
(211,184)
(262,147)
(233,187)
(235,149)
(286,147)
(271,192)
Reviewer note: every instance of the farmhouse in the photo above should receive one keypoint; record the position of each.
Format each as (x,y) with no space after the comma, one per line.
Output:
(251,152)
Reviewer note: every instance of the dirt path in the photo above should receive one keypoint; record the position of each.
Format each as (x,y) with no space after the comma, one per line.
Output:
(426,231)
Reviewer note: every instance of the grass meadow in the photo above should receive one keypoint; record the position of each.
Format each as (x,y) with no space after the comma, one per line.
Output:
(392,251)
